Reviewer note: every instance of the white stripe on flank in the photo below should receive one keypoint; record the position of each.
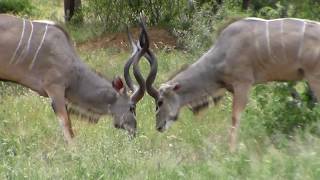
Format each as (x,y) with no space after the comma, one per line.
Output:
(20,41)
(256,43)
(26,50)
(282,43)
(268,41)
(301,41)
(41,43)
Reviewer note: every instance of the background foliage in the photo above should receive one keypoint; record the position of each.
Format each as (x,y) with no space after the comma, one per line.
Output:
(16,6)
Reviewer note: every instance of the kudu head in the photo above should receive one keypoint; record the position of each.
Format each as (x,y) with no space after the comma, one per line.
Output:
(166,99)
(123,111)
(125,108)
(167,106)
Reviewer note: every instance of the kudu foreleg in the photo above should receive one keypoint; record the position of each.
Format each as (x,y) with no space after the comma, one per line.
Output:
(240,99)
(57,95)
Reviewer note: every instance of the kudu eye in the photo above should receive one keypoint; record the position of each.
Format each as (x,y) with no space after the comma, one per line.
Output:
(133,109)
(159,103)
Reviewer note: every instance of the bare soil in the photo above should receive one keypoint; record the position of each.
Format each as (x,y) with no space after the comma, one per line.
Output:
(160,38)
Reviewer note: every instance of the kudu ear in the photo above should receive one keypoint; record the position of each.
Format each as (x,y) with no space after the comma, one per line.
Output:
(176,87)
(118,85)
(170,87)
(173,87)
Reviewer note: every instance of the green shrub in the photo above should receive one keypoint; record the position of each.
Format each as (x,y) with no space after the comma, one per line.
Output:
(112,15)
(15,6)
(274,107)
(205,24)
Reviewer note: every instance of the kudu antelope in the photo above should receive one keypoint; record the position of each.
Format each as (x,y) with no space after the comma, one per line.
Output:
(40,56)
(247,52)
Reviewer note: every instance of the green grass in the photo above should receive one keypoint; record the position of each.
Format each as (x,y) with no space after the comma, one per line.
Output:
(52,10)
(32,145)
(195,147)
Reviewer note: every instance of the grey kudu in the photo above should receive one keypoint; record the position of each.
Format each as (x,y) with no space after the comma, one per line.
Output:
(247,52)
(39,55)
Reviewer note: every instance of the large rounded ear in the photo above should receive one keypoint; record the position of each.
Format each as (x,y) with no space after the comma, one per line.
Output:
(118,85)
(176,87)
(171,87)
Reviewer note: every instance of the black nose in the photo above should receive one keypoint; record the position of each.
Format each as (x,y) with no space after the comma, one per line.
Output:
(118,126)
(160,129)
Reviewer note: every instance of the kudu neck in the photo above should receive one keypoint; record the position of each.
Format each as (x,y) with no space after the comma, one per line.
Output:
(91,80)
(90,91)
(198,81)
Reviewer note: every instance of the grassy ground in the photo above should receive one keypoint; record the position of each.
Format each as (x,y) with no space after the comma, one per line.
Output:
(32,146)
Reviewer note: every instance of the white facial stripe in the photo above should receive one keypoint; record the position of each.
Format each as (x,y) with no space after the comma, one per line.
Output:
(20,41)
(301,41)
(40,45)
(168,124)
(165,86)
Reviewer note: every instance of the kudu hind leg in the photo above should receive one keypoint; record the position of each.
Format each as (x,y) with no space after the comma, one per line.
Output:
(311,96)
(240,99)
(57,95)
(314,83)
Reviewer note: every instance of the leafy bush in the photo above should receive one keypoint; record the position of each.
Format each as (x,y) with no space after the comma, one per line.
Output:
(274,107)
(205,24)
(114,14)
(15,6)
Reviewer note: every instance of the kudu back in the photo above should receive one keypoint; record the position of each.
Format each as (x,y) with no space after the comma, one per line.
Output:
(40,56)
(247,52)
